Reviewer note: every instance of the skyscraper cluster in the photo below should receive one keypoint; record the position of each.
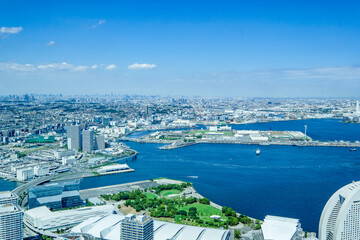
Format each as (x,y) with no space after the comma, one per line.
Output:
(85,140)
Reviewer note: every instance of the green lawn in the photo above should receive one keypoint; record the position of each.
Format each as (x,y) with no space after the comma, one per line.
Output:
(169,192)
(150,195)
(228,133)
(205,211)
(197,132)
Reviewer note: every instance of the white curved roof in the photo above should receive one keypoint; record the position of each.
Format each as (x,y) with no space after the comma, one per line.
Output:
(104,223)
(190,233)
(112,232)
(214,234)
(158,224)
(108,227)
(79,228)
(167,231)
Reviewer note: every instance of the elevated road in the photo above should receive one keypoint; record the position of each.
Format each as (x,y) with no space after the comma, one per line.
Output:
(23,188)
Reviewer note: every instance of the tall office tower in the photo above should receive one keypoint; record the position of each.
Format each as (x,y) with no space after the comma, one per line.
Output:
(357,108)
(88,140)
(8,197)
(99,142)
(11,226)
(146,111)
(340,218)
(74,137)
(137,227)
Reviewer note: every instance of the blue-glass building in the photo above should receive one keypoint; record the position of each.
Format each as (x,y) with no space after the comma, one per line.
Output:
(55,195)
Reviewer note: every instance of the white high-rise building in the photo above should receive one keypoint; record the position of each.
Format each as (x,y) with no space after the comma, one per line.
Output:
(137,227)
(11,226)
(8,197)
(340,219)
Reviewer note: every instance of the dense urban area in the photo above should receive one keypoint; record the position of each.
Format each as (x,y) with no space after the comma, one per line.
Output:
(49,142)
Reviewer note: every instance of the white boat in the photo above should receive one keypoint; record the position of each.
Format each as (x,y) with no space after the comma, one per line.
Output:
(258,152)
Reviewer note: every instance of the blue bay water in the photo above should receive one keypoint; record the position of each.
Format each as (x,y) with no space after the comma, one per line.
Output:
(284,180)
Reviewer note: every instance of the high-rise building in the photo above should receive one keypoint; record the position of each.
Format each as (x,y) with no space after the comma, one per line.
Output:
(106,121)
(146,111)
(88,140)
(99,142)
(8,197)
(55,195)
(74,137)
(137,227)
(11,226)
(340,218)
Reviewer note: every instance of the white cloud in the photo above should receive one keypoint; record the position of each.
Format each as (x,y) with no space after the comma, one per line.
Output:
(98,23)
(111,67)
(11,66)
(10,30)
(62,66)
(137,66)
(51,43)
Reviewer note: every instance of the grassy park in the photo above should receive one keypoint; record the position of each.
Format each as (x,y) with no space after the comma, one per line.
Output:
(185,210)
(166,193)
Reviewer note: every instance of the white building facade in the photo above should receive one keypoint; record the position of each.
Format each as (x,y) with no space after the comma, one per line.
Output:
(44,219)
(340,219)
(11,222)
(137,227)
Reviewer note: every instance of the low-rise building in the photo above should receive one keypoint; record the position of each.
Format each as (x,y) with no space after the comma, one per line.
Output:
(24,174)
(55,195)
(68,160)
(113,168)
(44,219)
(109,227)
(64,153)
(40,171)
(281,228)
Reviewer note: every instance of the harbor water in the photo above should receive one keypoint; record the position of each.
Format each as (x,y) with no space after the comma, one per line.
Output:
(285,181)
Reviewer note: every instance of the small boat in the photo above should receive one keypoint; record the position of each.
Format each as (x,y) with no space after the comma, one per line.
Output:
(192,176)
(258,152)
(352,149)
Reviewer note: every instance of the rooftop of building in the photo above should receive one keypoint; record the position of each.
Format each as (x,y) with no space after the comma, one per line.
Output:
(44,213)
(5,194)
(279,228)
(108,227)
(8,208)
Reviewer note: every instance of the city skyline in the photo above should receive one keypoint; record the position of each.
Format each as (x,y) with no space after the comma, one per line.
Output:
(232,49)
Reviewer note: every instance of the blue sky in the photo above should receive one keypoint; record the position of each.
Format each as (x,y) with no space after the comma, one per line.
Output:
(207,48)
